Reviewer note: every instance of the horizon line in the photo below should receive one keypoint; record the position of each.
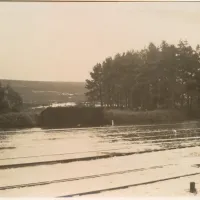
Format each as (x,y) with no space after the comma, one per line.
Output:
(6,79)
(98,1)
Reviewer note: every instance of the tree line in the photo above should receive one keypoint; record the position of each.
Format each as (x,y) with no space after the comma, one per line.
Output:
(165,76)
(10,100)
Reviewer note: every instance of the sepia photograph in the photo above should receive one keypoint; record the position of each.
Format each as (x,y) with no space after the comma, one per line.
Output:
(99,99)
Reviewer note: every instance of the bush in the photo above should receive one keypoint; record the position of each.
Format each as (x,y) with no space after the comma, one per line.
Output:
(18,120)
(72,117)
(125,117)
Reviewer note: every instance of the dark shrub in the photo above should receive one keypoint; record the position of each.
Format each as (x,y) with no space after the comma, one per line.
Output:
(72,117)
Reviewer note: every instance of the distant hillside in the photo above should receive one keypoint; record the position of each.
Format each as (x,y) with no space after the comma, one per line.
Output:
(39,92)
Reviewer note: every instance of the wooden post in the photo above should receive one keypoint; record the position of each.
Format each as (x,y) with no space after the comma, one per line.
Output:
(192,187)
(112,122)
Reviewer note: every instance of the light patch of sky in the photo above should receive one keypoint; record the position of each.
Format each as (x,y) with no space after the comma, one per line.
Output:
(63,41)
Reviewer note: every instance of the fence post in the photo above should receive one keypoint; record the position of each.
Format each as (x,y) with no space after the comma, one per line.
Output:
(192,187)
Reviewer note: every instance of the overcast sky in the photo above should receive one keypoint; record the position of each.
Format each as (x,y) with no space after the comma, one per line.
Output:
(63,41)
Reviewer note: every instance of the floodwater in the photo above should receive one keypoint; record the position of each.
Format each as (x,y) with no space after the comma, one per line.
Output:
(107,161)
(57,105)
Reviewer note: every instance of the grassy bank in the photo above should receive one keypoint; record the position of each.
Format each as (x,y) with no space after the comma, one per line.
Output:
(18,120)
(127,117)
(72,117)
(30,119)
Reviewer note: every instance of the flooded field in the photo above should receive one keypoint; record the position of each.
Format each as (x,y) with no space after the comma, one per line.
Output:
(107,161)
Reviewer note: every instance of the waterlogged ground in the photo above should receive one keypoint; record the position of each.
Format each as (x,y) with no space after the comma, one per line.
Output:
(108,161)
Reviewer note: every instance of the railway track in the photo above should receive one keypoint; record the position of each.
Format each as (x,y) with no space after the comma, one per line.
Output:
(127,186)
(185,138)
(79,178)
(89,158)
